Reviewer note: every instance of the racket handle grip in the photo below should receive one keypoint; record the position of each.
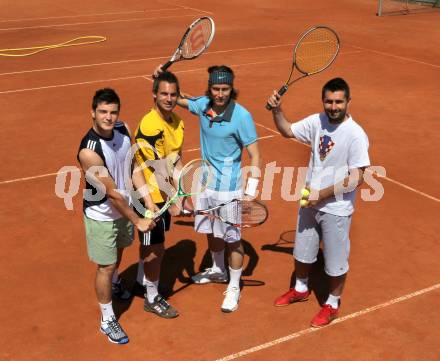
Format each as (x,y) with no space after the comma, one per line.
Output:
(281,92)
(166,65)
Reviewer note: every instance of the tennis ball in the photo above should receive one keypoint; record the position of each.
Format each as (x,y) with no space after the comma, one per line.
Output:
(149,214)
(303,202)
(305,193)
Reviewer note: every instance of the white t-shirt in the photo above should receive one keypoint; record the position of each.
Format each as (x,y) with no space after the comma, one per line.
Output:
(335,150)
(116,154)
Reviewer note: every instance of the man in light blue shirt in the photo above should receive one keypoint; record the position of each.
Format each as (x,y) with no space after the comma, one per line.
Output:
(226,128)
(223,137)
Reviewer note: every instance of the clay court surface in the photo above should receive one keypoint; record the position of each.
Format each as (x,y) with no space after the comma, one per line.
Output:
(390,305)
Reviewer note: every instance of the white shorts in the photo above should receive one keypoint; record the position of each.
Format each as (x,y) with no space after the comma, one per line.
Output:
(202,224)
(334,231)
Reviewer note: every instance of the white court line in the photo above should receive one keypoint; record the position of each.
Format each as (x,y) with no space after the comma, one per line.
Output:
(266,137)
(153,58)
(54,174)
(29,178)
(192,150)
(395,56)
(134,77)
(71,84)
(203,11)
(252,63)
(260,138)
(140,60)
(96,22)
(196,149)
(122,78)
(335,322)
(88,15)
(409,188)
(186,7)
(378,175)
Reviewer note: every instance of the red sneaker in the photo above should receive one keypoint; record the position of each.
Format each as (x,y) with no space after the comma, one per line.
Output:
(291,296)
(325,316)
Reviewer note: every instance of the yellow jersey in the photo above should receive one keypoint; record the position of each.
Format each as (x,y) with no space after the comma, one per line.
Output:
(158,139)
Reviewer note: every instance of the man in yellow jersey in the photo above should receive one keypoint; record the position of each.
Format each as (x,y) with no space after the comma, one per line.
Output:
(159,138)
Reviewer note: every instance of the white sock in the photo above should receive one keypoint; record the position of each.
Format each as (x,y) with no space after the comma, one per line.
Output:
(301,284)
(218,260)
(106,311)
(140,278)
(333,301)
(234,277)
(152,291)
(115,277)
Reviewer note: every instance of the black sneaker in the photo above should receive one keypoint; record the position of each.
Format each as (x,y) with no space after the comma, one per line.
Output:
(114,331)
(160,307)
(120,292)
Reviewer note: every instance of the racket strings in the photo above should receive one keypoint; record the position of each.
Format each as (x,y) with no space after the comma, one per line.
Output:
(244,213)
(197,39)
(316,50)
(253,213)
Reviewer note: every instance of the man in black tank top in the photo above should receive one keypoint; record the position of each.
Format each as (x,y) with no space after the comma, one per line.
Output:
(108,216)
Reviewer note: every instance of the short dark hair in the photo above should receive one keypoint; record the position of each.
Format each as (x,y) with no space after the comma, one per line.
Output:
(167,76)
(221,68)
(105,95)
(336,84)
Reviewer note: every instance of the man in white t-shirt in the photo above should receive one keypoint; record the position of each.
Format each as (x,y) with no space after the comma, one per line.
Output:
(338,159)
(108,216)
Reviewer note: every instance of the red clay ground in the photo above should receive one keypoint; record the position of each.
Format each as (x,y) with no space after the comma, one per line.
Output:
(48,307)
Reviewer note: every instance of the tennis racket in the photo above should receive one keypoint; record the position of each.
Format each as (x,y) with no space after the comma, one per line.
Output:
(193,179)
(237,213)
(194,42)
(314,52)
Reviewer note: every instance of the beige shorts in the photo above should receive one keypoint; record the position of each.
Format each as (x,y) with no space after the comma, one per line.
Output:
(105,237)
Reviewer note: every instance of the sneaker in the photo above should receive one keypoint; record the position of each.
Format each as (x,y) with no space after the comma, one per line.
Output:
(291,296)
(232,296)
(114,331)
(325,316)
(160,307)
(210,275)
(120,292)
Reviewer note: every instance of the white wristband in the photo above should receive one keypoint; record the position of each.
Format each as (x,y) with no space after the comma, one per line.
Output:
(251,187)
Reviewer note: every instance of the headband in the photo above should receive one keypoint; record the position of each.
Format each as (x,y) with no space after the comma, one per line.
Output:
(221,77)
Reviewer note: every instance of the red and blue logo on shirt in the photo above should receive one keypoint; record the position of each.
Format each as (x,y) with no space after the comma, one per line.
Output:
(325,146)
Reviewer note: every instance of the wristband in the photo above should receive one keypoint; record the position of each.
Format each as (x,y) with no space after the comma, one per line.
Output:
(251,187)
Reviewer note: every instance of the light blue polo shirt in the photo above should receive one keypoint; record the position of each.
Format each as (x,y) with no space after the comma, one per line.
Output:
(222,140)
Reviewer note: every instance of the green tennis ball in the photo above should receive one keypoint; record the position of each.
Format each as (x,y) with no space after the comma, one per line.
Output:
(305,193)
(303,202)
(149,214)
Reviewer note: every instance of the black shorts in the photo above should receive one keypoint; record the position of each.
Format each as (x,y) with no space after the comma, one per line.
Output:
(157,234)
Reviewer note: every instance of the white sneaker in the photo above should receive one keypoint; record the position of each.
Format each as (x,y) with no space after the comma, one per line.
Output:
(230,303)
(114,331)
(210,275)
